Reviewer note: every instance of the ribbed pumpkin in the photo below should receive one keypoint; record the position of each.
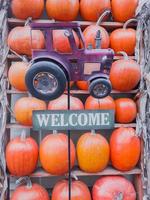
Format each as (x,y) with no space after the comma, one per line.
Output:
(113,187)
(78,191)
(103,104)
(121,11)
(62,103)
(61,42)
(30,192)
(54,153)
(126,110)
(82,85)
(123,39)
(125,74)
(125,149)
(16,75)
(92,9)
(21,155)
(92,152)
(63,10)
(25,106)
(19,40)
(28,8)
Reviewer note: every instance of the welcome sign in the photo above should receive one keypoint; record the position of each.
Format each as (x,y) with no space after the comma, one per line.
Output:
(73,120)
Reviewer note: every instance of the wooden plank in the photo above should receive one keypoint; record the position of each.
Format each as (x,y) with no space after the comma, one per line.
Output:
(138,186)
(19,126)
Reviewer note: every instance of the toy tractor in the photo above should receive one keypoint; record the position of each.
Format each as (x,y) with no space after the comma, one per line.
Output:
(50,70)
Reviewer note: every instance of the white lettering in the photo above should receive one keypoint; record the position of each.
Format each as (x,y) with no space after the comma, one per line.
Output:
(43,119)
(62,120)
(105,119)
(94,119)
(55,119)
(82,119)
(71,119)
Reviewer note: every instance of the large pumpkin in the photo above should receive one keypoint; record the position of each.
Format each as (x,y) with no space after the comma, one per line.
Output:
(29,8)
(54,153)
(21,155)
(103,104)
(92,9)
(25,106)
(61,42)
(62,103)
(16,75)
(30,192)
(126,110)
(125,149)
(113,187)
(19,40)
(63,10)
(78,191)
(125,74)
(123,39)
(92,152)
(122,10)
(82,85)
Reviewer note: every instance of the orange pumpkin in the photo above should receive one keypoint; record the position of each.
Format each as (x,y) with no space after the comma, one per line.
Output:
(91,9)
(21,155)
(113,187)
(103,104)
(92,152)
(126,110)
(61,42)
(121,11)
(123,39)
(125,74)
(16,75)
(78,191)
(125,149)
(62,103)
(82,85)
(54,154)
(29,8)
(19,40)
(63,10)
(25,106)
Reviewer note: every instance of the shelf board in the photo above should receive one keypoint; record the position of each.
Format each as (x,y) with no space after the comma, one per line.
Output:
(16,22)
(12,57)
(77,172)
(19,126)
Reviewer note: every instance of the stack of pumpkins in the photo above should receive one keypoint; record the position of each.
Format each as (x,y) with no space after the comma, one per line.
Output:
(93,151)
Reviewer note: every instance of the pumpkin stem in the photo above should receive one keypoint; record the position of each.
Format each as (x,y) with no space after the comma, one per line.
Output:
(23,58)
(128,22)
(105,13)
(125,55)
(55,131)
(23,135)
(23,180)
(28,21)
(93,132)
(74,177)
(119,196)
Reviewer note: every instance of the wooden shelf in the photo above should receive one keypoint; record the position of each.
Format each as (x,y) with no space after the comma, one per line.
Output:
(77,172)
(19,126)
(16,22)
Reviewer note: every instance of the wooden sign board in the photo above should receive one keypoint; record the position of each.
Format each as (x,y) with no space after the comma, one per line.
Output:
(73,120)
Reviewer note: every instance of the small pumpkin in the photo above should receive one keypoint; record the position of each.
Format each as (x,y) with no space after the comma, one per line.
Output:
(121,11)
(125,74)
(78,191)
(91,9)
(113,187)
(106,103)
(61,42)
(29,8)
(126,110)
(90,33)
(63,10)
(30,192)
(82,85)
(62,103)
(54,153)
(92,152)
(19,40)
(25,106)
(21,155)
(16,75)
(125,149)
(123,39)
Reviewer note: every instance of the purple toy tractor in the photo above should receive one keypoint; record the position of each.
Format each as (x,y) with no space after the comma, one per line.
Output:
(50,70)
